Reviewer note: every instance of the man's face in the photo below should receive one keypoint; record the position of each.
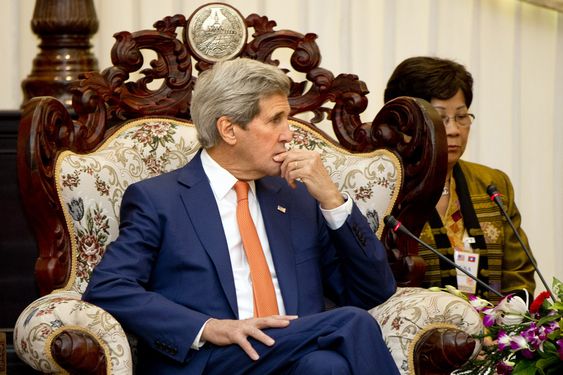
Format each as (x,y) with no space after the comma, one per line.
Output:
(264,137)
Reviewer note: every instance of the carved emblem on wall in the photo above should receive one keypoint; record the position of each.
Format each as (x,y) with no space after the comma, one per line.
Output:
(216,32)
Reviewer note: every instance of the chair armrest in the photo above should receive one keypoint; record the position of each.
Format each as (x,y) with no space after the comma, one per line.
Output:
(78,352)
(420,327)
(60,331)
(440,349)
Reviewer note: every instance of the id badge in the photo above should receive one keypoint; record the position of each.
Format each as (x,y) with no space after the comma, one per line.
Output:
(469,262)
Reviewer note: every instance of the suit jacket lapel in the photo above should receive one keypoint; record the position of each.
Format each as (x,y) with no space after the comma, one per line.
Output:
(202,209)
(277,225)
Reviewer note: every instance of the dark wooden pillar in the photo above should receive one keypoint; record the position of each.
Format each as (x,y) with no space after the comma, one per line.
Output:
(65,28)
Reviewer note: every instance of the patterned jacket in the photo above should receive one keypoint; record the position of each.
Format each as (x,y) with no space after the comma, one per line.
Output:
(504,264)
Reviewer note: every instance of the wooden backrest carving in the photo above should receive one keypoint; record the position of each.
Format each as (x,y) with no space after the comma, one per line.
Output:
(408,127)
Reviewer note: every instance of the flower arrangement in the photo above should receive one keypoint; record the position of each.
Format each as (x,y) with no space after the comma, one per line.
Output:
(518,340)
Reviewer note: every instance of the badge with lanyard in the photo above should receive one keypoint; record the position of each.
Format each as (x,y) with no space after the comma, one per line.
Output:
(469,261)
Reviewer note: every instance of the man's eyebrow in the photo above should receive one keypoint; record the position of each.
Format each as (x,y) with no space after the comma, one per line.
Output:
(277,115)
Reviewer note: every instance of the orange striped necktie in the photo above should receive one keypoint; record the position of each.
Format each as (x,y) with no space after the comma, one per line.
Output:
(265,302)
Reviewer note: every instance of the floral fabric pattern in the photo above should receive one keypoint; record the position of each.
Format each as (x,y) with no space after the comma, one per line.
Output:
(91,186)
(372,179)
(47,316)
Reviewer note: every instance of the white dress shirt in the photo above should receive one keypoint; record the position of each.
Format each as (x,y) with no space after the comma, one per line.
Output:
(222,183)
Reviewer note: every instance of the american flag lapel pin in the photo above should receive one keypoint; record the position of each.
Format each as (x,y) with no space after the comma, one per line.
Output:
(281,209)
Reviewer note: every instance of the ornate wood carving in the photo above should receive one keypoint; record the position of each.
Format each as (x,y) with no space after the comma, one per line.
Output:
(65,28)
(45,129)
(104,99)
(441,351)
(414,130)
(79,353)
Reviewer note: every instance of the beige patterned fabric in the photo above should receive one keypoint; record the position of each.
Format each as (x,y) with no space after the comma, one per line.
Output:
(411,310)
(371,179)
(48,316)
(91,186)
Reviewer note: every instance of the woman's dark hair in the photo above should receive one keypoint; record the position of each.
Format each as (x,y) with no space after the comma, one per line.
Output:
(429,77)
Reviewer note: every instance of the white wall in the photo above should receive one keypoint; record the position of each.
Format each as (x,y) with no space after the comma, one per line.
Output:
(514,50)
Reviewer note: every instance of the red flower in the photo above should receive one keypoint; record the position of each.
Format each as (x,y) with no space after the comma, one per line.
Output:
(535,306)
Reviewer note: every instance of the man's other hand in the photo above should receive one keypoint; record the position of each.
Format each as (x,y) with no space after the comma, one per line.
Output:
(223,332)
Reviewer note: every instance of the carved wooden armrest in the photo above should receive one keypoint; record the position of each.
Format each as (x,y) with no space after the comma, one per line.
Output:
(440,350)
(78,352)
(59,331)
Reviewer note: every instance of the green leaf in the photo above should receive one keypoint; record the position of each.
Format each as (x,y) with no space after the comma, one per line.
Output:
(548,346)
(524,367)
(547,319)
(546,363)
(557,306)
(557,287)
(555,335)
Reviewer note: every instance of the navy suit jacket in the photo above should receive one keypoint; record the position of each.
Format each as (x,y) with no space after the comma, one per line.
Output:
(169,270)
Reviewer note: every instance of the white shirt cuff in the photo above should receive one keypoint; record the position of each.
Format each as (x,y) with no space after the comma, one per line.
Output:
(336,217)
(198,342)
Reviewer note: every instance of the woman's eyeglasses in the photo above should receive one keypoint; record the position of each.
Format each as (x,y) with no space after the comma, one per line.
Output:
(463,120)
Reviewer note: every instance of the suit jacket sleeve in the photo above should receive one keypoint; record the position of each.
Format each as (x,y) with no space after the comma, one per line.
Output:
(362,276)
(119,283)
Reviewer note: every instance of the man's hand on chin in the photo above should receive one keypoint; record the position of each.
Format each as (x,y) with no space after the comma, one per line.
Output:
(307,167)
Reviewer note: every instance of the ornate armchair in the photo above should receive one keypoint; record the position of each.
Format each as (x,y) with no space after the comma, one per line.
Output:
(73,171)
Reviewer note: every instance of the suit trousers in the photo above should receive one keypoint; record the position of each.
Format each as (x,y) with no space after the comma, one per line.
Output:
(339,341)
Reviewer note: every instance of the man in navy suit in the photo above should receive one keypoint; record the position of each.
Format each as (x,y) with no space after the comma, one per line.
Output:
(178,278)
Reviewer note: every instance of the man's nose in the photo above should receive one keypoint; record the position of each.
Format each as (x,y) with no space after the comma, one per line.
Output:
(287,134)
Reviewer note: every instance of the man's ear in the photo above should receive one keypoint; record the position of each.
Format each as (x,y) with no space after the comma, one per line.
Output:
(226,129)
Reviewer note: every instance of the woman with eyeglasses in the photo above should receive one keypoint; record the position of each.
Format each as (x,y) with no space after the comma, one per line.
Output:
(466,225)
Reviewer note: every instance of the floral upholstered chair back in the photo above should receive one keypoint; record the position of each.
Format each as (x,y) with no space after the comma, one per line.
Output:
(91,186)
